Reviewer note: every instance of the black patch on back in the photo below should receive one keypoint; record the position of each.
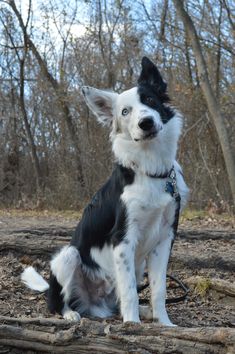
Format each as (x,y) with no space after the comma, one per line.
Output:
(55,301)
(104,218)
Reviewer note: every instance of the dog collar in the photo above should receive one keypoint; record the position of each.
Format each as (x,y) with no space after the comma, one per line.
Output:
(162,175)
(171,185)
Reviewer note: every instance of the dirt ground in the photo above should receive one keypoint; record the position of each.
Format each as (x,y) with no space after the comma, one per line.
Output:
(202,255)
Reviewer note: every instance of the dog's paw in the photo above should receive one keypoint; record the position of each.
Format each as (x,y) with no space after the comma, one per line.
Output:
(165,322)
(72,316)
(168,324)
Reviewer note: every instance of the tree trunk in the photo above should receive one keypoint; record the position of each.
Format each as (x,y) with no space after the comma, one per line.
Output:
(33,149)
(187,56)
(218,55)
(213,105)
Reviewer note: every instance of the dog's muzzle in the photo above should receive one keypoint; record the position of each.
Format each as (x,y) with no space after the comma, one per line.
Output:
(149,127)
(146,123)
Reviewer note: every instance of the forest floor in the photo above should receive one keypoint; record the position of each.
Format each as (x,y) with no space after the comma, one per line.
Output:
(205,247)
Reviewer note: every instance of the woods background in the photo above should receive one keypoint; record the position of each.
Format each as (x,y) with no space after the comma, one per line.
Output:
(52,151)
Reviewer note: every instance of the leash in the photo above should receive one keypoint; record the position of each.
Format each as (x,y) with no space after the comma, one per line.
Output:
(171,188)
(171,300)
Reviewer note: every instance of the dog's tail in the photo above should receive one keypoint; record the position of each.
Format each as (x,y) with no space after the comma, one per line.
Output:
(34,280)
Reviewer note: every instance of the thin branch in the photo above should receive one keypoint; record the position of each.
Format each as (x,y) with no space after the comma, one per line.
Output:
(192,127)
(224,2)
(29,13)
(212,178)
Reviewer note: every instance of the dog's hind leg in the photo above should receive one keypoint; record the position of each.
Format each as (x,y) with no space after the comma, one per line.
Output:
(63,266)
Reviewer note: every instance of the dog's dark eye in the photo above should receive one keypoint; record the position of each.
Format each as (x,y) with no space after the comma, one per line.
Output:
(150,100)
(125,112)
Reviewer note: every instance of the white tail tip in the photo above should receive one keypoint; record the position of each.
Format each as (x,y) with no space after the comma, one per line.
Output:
(34,280)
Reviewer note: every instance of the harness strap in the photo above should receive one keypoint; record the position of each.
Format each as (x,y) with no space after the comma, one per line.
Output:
(177,215)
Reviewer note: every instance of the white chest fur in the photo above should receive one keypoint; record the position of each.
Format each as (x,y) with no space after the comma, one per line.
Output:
(149,210)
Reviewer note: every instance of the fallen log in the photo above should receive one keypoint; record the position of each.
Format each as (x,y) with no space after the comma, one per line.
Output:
(89,336)
(29,244)
(202,285)
(187,234)
(206,234)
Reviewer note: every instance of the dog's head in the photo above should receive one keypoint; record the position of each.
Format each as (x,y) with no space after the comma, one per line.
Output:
(140,114)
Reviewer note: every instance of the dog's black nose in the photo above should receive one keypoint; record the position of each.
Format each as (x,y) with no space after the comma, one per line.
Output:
(146,123)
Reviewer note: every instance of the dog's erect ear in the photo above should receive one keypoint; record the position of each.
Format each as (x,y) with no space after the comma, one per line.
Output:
(151,75)
(101,103)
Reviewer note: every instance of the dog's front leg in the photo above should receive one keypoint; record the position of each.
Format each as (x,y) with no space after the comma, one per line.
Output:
(157,266)
(126,280)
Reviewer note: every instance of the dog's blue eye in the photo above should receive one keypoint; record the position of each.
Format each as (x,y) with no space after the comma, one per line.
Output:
(125,112)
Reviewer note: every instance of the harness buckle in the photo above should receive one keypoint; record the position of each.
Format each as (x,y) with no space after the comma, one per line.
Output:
(171,185)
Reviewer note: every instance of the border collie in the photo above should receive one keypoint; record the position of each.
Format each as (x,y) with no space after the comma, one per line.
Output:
(128,225)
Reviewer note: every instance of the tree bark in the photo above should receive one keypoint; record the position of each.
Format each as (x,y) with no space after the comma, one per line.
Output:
(163,21)
(213,105)
(53,336)
(187,56)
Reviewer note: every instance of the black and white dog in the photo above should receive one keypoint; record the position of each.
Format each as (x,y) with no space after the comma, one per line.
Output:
(128,224)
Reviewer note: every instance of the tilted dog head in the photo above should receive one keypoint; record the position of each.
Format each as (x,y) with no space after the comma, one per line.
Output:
(140,115)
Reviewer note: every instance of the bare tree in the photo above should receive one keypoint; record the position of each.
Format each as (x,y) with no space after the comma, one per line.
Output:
(21,54)
(212,103)
(59,90)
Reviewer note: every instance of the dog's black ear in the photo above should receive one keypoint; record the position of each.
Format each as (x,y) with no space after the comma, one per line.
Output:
(151,76)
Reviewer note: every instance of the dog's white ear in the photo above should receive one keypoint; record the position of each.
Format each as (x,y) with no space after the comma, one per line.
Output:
(101,103)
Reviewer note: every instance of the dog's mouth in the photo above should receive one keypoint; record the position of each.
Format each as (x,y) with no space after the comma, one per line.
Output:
(148,136)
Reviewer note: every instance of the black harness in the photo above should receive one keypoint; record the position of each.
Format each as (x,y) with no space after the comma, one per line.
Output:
(171,188)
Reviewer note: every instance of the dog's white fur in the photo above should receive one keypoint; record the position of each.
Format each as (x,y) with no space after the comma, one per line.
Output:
(150,210)
(34,280)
